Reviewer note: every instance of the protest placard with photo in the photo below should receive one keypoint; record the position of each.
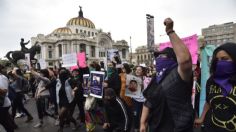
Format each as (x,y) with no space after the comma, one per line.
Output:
(113,56)
(85,85)
(133,86)
(96,84)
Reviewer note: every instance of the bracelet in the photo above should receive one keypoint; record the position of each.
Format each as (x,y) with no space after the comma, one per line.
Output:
(171,31)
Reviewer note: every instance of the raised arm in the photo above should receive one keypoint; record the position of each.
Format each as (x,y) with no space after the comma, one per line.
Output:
(182,53)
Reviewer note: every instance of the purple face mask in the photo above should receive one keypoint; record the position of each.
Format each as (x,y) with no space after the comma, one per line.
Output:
(163,64)
(224,70)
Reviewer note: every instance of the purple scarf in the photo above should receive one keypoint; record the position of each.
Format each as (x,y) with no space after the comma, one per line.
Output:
(224,70)
(163,65)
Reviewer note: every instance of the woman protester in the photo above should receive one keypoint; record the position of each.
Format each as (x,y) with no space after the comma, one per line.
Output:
(219,113)
(42,94)
(65,96)
(168,105)
(138,101)
(125,70)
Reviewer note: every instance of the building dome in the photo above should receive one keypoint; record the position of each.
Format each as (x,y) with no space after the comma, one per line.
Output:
(80,21)
(63,30)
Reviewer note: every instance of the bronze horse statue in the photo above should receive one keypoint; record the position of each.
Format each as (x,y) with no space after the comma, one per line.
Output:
(14,56)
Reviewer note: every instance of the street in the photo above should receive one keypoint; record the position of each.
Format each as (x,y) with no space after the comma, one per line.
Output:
(48,125)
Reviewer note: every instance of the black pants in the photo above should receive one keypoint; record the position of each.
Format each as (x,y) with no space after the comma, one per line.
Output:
(80,103)
(18,104)
(138,106)
(65,116)
(41,104)
(6,120)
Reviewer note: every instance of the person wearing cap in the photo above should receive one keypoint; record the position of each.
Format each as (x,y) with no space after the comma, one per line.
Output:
(168,105)
(219,113)
(117,113)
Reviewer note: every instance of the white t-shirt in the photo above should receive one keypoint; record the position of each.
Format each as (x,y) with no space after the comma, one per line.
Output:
(4,85)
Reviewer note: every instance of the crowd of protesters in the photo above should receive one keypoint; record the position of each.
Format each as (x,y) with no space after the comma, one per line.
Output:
(164,105)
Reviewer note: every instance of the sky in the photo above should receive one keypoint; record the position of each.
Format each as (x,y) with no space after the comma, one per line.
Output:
(123,18)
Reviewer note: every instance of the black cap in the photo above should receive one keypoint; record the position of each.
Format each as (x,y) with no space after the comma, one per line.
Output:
(168,51)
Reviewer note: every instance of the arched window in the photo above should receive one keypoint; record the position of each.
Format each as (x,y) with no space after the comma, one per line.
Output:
(76,30)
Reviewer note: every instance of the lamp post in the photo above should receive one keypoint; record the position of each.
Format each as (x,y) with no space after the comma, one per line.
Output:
(130,50)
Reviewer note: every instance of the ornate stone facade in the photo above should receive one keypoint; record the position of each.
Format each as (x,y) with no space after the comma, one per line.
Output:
(79,35)
(142,56)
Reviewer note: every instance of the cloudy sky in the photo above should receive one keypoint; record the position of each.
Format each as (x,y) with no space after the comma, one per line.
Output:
(123,18)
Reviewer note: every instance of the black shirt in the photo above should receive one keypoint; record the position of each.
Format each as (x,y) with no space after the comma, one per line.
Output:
(221,117)
(170,105)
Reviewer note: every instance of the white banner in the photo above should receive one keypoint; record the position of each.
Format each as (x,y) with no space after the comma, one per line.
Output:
(43,64)
(69,60)
(27,59)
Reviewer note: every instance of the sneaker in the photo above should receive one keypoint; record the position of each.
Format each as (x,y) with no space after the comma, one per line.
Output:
(29,118)
(38,125)
(57,122)
(18,115)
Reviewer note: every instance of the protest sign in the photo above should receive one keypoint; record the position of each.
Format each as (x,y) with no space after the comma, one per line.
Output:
(81,59)
(96,84)
(42,64)
(69,60)
(27,59)
(191,43)
(133,86)
(113,56)
(85,85)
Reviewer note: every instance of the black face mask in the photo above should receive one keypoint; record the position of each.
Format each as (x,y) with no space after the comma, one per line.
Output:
(63,76)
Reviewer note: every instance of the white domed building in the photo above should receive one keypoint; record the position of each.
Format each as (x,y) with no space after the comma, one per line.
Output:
(79,34)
